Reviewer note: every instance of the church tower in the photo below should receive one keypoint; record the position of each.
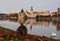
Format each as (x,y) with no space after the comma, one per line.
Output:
(58,10)
(31,8)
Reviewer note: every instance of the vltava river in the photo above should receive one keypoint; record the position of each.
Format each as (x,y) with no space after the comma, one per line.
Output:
(36,27)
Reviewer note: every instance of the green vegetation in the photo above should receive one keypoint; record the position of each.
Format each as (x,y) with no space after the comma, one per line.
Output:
(14,15)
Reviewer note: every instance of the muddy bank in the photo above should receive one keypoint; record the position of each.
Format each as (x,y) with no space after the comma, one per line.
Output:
(10,35)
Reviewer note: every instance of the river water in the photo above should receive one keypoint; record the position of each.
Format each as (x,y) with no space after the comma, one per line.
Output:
(35,27)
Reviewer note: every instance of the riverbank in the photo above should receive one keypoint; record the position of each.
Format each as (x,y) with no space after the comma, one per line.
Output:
(9,35)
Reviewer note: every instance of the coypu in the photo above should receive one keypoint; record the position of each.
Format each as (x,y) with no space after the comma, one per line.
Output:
(21,30)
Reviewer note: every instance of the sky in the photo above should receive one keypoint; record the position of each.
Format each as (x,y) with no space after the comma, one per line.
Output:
(7,6)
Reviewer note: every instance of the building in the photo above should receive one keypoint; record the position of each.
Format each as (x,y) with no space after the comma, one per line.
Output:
(58,10)
(54,14)
(30,13)
(33,14)
(3,15)
(21,16)
(46,13)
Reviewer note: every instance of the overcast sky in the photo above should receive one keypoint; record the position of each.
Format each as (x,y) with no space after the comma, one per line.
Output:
(38,5)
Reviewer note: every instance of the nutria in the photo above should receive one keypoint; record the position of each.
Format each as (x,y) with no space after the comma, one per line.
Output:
(21,30)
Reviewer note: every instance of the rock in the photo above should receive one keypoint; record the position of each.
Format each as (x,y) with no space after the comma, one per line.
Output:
(27,40)
(1,38)
(1,35)
(53,34)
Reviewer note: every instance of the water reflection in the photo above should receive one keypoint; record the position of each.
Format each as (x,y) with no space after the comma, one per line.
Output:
(57,24)
(21,21)
(10,19)
(45,27)
(39,27)
(32,22)
(15,20)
